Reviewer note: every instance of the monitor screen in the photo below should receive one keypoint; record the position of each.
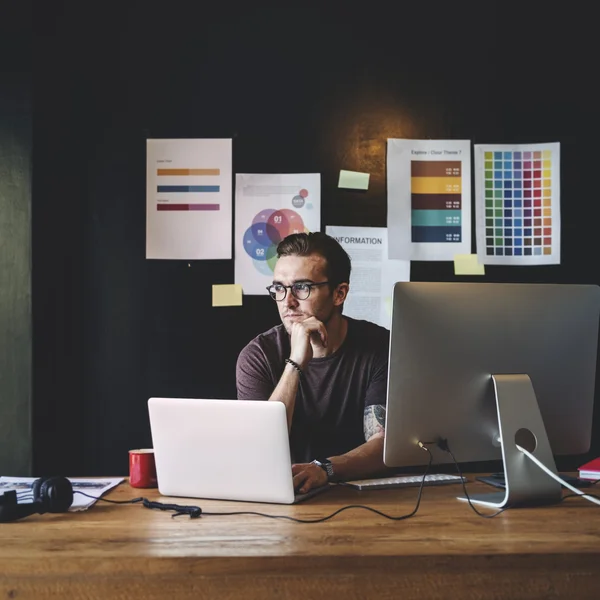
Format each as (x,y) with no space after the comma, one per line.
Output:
(447,342)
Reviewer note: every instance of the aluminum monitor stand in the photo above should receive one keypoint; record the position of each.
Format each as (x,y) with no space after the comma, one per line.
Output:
(521,423)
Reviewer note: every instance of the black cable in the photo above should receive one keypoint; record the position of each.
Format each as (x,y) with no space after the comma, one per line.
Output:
(593,482)
(196,511)
(181,509)
(442,444)
(132,501)
(321,519)
(578,496)
(337,512)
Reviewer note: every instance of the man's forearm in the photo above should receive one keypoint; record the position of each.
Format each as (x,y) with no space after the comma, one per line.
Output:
(286,391)
(362,462)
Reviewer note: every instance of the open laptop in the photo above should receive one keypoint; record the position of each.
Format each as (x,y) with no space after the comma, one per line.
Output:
(223,449)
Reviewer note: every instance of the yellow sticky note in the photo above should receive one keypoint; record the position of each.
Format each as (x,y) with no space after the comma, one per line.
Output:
(354,180)
(227,295)
(466,264)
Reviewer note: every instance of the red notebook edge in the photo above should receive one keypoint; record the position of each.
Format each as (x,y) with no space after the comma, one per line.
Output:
(590,470)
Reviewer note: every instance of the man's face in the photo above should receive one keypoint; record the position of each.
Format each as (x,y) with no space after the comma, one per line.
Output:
(304,269)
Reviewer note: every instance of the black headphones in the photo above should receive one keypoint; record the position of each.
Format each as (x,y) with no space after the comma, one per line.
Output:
(50,494)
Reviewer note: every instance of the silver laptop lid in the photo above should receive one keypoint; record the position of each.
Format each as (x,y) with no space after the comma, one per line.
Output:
(222,449)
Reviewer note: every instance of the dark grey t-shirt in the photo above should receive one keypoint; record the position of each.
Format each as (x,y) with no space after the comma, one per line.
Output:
(333,391)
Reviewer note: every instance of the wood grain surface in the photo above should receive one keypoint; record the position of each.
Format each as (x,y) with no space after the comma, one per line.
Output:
(444,551)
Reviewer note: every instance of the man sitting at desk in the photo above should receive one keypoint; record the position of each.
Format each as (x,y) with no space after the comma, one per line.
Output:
(329,370)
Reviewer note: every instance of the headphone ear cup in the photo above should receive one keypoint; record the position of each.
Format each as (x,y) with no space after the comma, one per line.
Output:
(36,488)
(55,494)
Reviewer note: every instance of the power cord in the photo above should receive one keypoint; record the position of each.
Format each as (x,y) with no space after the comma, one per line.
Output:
(337,512)
(541,465)
(443,445)
(180,509)
(577,496)
(195,512)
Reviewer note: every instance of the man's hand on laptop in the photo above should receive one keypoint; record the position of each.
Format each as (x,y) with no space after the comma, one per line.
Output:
(308,476)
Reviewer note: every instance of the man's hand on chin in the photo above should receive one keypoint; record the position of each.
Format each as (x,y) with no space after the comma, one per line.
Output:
(308,476)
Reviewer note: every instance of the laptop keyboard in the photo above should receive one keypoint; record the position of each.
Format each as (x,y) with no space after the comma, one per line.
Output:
(300,497)
(384,483)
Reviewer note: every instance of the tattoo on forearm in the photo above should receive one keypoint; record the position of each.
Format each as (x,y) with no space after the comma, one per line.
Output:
(374,422)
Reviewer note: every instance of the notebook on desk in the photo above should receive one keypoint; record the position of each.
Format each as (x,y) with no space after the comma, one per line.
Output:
(223,449)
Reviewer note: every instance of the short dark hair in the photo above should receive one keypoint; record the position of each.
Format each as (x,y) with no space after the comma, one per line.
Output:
(337,267)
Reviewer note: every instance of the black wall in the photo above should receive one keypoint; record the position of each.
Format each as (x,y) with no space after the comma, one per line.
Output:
(312,87)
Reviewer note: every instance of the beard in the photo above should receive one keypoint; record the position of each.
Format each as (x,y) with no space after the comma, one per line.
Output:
(324,318)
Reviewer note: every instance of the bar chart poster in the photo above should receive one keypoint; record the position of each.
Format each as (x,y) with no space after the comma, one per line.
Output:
(517,204)
(429,199)
(188,199)
(268,208)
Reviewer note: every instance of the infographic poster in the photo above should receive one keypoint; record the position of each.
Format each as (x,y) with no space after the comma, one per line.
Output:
(373,274)
(267,209)
(188,199)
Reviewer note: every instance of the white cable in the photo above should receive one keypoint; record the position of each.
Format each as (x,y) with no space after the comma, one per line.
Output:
(542,466)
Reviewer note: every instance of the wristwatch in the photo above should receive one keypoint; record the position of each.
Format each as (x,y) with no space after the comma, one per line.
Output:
(326,465)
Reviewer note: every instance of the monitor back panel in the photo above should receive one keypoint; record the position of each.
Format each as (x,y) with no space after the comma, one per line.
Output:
(448,339)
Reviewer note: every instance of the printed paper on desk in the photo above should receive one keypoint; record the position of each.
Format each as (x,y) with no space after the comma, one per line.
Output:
(92,487)
(354,180)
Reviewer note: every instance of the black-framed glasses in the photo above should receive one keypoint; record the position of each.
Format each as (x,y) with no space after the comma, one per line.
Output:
(300,291)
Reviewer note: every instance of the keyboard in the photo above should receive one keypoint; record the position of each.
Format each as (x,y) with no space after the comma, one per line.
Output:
(298,497)
(386,483)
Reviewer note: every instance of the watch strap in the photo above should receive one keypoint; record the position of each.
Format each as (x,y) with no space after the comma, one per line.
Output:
(326,465)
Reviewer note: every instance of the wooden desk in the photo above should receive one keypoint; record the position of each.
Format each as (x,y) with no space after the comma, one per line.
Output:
(445,551)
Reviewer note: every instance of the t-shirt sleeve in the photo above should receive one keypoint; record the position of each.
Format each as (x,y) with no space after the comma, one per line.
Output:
(253,376)
(377,388)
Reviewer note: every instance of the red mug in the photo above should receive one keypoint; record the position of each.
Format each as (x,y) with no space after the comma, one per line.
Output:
(142,468)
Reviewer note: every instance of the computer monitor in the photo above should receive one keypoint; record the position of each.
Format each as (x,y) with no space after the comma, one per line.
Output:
(490,367)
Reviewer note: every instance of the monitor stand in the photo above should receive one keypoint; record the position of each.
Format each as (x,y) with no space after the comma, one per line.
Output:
(520,423)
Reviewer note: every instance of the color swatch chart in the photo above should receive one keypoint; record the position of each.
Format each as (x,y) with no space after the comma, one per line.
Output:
(436,191)
(429,199)
(518,204)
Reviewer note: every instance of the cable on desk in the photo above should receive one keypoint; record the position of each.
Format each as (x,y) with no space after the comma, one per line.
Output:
(195,511)
(348,507)
(442,444)
(180,509)
(543,467)
(577,496)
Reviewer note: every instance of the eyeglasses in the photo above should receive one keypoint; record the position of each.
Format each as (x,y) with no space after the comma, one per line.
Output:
(301,291)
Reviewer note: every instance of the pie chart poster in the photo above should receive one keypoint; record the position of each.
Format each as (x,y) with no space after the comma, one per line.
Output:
(268,208)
